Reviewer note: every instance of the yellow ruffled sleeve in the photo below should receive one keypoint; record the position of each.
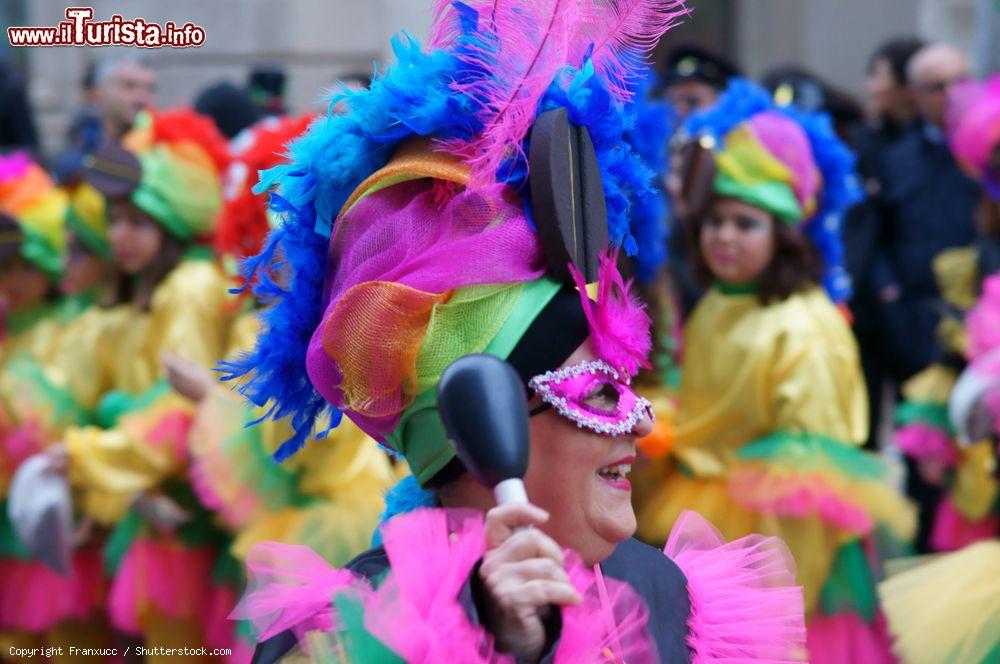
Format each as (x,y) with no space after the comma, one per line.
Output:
(817,388)
(191,313)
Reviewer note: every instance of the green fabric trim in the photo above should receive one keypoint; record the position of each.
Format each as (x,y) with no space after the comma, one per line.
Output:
(21,320)
(736,289)
(775,197)
(94,241)
(358,643)
(35,248)
(116,403)
(30,373)
(120,540)
(10,543)
(924,412)
(198,252)
(70,306)
(806,451)
(420,436)
(850,586)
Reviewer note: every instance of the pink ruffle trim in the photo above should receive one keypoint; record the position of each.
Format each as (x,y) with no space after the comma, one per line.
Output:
(415,612)
(793,495)
(952,531)
(36,598)
(846,638)
(165,576)
(926,443)
(745,606)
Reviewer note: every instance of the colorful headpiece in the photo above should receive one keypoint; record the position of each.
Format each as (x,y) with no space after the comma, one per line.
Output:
(974,131)
(87,217)
(183,158)
(244,221)
(787,161)
(409,236)
(28,194)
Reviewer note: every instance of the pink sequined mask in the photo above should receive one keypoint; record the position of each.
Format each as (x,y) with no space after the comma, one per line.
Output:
(594,395)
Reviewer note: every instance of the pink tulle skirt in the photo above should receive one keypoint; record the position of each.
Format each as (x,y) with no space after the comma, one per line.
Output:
(845,638)
(952,531)
(36,598)
(165,576)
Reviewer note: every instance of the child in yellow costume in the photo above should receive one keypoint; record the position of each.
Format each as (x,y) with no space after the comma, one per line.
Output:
(772,403)
(131,468)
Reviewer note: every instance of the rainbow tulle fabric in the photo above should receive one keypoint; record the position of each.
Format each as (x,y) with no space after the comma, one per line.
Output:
(29,196)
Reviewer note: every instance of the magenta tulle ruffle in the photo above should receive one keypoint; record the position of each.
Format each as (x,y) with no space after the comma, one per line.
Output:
(36,598)
(845,638)
(415,612)
(162,576)
(745,605)
(926,443)
(952,531)
(290,587)
(982,323)
(794,495)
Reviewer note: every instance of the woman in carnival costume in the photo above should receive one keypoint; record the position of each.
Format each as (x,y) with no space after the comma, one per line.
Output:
(420,227)
(34,599)
(45,393)
(967,510)
(947,608)
(771,403)
(328,497)
(129,467)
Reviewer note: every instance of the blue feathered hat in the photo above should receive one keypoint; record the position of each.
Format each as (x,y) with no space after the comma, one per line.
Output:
(491,68)
(740,124)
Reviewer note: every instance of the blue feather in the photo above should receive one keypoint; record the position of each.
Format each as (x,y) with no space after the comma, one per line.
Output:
(405,497)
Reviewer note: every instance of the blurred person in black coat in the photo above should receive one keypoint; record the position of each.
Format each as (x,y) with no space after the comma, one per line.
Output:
(17,125)
(928,204)
(890,111)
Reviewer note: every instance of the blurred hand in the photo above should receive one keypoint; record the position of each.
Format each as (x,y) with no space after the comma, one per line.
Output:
(932,471)
(162,512)
(188,378)
(58,458)
(981,423)
(523,573)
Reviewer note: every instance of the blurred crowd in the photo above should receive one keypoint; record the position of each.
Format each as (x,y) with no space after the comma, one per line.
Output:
(121,292)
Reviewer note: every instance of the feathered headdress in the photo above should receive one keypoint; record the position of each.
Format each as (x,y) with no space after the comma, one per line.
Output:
(28,194)
(183,157)
(492,68)
(243,222)
(974,131)
(788,161)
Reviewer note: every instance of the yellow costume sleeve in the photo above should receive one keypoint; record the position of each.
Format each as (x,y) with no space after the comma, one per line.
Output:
(148,443)
(190,313)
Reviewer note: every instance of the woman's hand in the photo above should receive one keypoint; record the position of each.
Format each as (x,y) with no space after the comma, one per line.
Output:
(523,574)
(162,512)
(188,378)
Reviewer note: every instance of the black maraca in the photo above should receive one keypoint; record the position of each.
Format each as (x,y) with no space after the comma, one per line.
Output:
(484,409)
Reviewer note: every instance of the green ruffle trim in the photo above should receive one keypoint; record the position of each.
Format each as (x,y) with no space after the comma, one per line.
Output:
(808,452)
(10,543)
(117,403)
(272,482)
(120,540)
(850,587)
(29,373)
(356,642)
(924,412)
(21,320)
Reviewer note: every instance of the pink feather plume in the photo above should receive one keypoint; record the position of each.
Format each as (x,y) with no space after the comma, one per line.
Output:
(623,34)
(534,42)
(619,326)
